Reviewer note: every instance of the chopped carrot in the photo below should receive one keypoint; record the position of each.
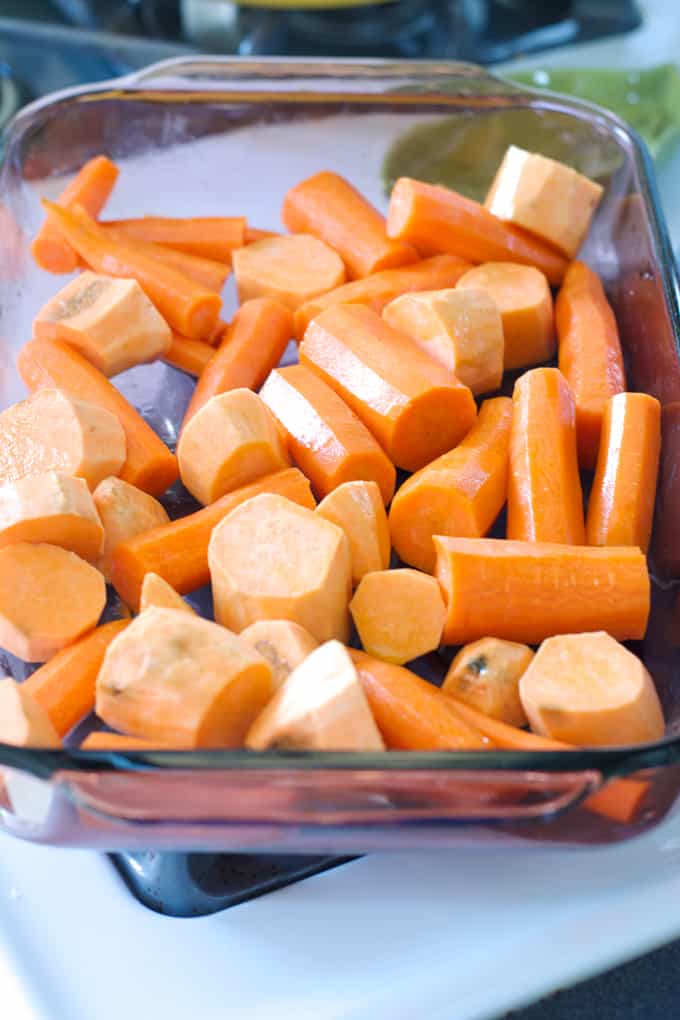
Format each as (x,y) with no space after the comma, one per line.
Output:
(486,675)
(186,306)
(207,696)
(282,643)
(357,507)
(328,206)
(125,511)
(178,551)
(157,592)
(522,296)
(460,493)
(379,289)
(51,431)
(190,356)
(326,439)
(589,354)
(271,559)
(90,188)
(52,508)
(65,686)
(101,740)
(436,219)
(529,591)
(148,462)
(621,504)
(210,237)
(291,269)
(253,234)
(398,614)
(49,597)
(23,722)
(250,348)
(208,272)
(412,714)
(545,502)
(414,407)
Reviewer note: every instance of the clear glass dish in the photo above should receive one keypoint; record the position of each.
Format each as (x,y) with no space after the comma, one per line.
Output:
(207,135)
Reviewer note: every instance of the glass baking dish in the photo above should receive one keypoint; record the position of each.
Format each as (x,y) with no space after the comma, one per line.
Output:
(207,135)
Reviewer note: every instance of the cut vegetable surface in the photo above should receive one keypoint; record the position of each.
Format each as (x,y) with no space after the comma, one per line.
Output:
(414,407)
(289,269)
(357,508)
(271,559)
(182,680)
(52,431)
(52,508)
(320,707)
(211,237)
(49,597)
(486,675)
(190,356)
(124,511)
(460,493)
(22,721)
(399,614)
(588,689)
(326,439)
(159,594)
(282,643)
(527,591)
(207,272)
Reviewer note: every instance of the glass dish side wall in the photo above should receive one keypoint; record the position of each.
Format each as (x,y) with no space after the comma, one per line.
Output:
(200,135)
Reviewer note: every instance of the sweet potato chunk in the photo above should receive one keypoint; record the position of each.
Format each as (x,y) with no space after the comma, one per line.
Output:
(486,675)
(158,594)
(357,508)
(51,508)
(399,614)
(282,643)
(125,511)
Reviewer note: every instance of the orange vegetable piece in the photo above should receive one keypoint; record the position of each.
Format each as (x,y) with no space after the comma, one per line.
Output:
(589,689)
(102,740)
(159,594)
(208,272)
(251,347)
(90,189)
(291,269)
(271,559)
(320,707)
(523,299)
(282,643)
(190,356)
(460,493)
(22,721)
(124,511)
(178,551)
(148,462)
(328,206)
(51,508)
(48,598)
(210,237)
(327,440)
(253,234)
(414,407)
(399,614)
(186,306)
(528,591)
(182,680)
(378,290)
(51,431)
(65,686)
(412,714)
(231,441)
(545,502)
(589,354)
(111,322)
(436,219)
(357,508)
(486,675)
(621,504)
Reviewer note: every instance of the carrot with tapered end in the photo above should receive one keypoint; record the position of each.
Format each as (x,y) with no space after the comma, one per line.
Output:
(208,272)
(376,291)
(90,188)
(65,686)
(290,269)
(188,307)
(178,551)
(589,353)
(412,714)
(325,438)
(330,207)
(210,237)
(460,493)
(414,407)
(529,591)
(436,219)
(545,502)
(621,504)
(51,363)
(189,356)
(251,347)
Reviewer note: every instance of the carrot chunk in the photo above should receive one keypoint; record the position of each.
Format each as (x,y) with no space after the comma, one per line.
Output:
(486,675)
(207,272)
(102,740)
(51,508)
(290,269)
(190,356)
(399,614)
(210,237)
(22,721)
(125,511)
(357,508)
(282,643)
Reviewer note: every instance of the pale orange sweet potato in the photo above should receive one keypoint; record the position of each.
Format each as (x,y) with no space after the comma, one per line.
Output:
(486,675)
(157,593)
(22,721)
(282,643)
(357,508)
(125,511)
(53,508)
(291,269)
(399,614)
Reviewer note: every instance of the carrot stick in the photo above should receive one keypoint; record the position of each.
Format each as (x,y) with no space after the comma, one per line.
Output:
(178,551)
(376,291)
(253,234)
(331,208)
(207,272)
(65,686)
(251,347)
(529,591)
(190,356)
(622,498)
(589,354)
(436,219)
(189,308)
(210,237)
(90,188)
(100,740)
(545,503)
